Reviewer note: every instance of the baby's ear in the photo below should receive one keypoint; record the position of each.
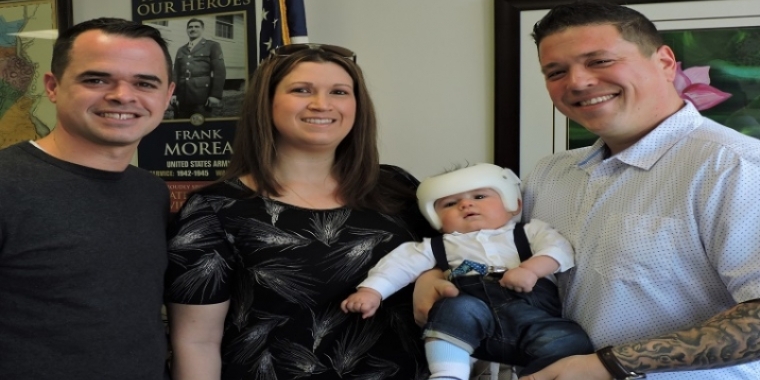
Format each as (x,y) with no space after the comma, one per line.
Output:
(519,207)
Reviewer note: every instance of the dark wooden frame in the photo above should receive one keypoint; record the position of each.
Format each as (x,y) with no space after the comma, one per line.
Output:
(63,9)
(507,76)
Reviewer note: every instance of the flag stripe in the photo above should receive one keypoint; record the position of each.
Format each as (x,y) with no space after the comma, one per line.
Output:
(283,22)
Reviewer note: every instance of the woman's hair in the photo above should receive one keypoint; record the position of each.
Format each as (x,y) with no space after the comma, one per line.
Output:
(357,162)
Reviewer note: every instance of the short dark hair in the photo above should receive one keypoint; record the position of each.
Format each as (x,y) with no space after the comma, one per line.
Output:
(196,20)
(633,26)
(116,26)
(361,183)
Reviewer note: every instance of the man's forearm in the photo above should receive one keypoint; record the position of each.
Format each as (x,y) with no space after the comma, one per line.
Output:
(727,339)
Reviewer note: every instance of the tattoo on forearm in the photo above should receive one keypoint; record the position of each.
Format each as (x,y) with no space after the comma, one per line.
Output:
(729,338)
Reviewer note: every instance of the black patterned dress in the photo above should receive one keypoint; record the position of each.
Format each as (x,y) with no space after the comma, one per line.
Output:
(285,271)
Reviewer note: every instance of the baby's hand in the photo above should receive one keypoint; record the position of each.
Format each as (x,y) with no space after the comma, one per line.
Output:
(519,279)
(365,301)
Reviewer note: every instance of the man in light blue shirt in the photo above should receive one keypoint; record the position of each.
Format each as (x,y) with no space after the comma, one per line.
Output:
(663,210)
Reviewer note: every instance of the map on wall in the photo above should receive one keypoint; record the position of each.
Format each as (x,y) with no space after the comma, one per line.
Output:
(25,54)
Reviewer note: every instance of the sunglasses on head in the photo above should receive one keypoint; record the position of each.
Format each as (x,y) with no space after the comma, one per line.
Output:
(286,50)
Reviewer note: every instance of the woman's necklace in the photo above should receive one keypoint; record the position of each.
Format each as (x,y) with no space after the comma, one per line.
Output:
(299,196)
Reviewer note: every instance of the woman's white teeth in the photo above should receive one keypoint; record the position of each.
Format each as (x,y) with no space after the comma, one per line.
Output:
(596,100)
(318,121)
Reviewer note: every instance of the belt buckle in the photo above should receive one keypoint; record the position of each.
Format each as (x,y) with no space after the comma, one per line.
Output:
(495,272)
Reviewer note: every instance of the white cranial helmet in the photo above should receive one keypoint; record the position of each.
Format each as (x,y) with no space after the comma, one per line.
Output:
(501,180)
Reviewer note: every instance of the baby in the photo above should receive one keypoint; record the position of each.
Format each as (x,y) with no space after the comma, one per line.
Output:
(508,309)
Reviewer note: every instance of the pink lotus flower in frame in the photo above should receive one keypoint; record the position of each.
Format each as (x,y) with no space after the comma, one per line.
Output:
(693,84)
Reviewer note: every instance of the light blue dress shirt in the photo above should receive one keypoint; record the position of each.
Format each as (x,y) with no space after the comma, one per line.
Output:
(666,233)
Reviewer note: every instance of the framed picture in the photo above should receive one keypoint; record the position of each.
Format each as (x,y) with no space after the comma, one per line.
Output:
(214,52)
(524,114)
(29,29)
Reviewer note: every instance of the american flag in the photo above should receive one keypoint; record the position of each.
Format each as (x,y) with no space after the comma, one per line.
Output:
(283,22)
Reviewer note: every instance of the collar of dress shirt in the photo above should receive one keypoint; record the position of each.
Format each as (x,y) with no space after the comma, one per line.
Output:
(647,151)
(505,228)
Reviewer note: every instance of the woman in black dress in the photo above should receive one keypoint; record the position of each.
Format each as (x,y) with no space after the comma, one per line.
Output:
(260,261)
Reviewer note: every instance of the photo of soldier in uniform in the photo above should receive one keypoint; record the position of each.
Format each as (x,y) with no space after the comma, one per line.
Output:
(210,65)
(199,74)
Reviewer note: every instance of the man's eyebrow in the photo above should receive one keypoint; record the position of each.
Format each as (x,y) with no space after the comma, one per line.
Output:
(92,73)
(148,77)
(549,67)
(552,65)
(103,74)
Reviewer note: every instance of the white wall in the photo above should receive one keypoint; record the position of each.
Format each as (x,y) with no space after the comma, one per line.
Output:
(429,65)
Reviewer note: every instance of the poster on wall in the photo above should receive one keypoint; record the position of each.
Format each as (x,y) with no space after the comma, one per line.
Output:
(213,50)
